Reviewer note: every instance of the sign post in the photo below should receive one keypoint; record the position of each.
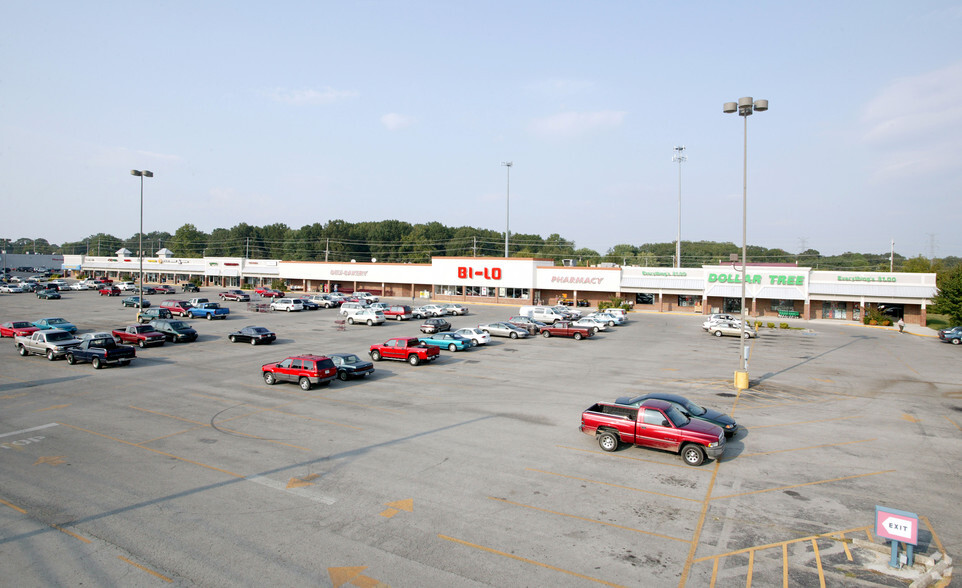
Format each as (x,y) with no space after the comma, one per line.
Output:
(898,526)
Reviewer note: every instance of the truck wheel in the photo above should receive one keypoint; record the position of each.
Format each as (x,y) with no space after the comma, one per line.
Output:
(608,441)
(452,347)
(718,333)
(342,375)
(546,334)
(96,363)
(578,336)
(350,320)
(23,351)
(693,455)
(125,362)
(50,355)
(269,378)
(376,355)
(142,343)
(304,383)
(70,359)
(210,317)
(398,317)
(413,359)
(513,335)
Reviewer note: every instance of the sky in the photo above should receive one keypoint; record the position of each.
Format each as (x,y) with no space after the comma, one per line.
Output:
(300,112)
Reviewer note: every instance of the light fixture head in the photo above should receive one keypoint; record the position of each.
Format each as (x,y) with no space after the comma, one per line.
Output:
(761,105)
(729,107)
(507,163)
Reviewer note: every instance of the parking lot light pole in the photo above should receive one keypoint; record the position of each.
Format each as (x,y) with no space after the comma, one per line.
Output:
(143,174)
(507,207)
(680,157)
(744,108)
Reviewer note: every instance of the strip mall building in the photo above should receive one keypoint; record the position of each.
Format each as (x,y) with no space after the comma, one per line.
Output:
(770,291)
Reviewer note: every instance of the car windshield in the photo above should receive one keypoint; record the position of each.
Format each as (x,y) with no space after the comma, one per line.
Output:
(21,325)
(59,336)
(259,330)
(142,329)
(56,321)
(693,409)
(677,418)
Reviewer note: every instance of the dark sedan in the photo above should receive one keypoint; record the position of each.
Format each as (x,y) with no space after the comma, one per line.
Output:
(253,335)
(688,408)
(435,325)
(49,294)
(308,304)
(174,331)
(135,302)
(351,366)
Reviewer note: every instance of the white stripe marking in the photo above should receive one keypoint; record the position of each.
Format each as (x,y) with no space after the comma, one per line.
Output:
(47,426)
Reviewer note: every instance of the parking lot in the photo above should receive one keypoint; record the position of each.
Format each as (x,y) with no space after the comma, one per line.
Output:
(186,468)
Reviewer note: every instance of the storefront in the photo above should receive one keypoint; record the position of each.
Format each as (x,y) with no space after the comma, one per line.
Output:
(770,291)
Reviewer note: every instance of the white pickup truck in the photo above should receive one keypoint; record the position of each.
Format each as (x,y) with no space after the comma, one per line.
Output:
(53,343)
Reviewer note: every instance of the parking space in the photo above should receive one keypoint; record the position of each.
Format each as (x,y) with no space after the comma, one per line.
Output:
(469,470)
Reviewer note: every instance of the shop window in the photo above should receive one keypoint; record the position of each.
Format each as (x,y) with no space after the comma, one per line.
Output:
(646,299)
(733,305)
(686,301)
(833,310)
(783,305)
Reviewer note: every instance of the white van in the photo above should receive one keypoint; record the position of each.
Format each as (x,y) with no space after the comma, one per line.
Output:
(621,312)
(544,314)
(368,316)
(349,307)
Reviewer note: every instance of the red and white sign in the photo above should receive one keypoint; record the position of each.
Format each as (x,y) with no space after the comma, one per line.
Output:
(896,525)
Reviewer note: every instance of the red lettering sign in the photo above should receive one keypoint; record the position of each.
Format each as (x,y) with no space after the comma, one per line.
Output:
(488,273)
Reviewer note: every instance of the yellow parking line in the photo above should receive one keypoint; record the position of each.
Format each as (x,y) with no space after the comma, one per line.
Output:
(751,566)
(714,573)
(785,565)
(526,560)
(804,484)
(953,422)
(157,451)
(848,553)
(780,544)
(612,485)
(805,422)
(696,537)
(801,448)
(571,516)
(72,534)
(931,530)
(149,571)
(818,562)
(13,506)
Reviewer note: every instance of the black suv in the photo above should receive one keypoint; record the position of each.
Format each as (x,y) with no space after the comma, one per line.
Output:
(435,325)
(176,331)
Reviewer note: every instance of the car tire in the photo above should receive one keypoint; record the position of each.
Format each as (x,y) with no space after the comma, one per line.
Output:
(546,334)
(414,359)
(253,341)
(304,383)
(452,347)
(956,341)
(578,336)
(23,351)
(50,355)
(342,376)
(141,343)
(290,308)
(96,363)
(269,378)
(693,455)
(717,333)
(370,323)
(376,355)
(233,339)
(70,359)
(513,335)
(608,441)
(350,320)
(398,317)
(210,317)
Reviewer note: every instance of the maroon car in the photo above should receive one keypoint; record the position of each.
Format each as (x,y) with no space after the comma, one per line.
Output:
(109,291)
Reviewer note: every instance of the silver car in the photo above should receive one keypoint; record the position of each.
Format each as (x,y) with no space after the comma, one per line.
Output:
(456,309)
(504,330)
(732,329)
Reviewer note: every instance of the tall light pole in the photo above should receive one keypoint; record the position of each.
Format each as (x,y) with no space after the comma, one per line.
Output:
(680,157)
(744,108)
(507,207)
(143,174)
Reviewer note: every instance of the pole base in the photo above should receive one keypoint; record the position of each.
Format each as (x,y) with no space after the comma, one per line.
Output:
(741,380)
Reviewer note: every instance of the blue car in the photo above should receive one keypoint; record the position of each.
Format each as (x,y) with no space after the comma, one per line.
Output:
(449,341)
(55,323)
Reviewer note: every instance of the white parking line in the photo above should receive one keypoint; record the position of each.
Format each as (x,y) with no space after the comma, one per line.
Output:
(30,430)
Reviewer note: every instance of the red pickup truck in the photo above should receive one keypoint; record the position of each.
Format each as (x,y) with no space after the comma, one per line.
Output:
(409,349)
(565,329)
(142,335)
(655,424)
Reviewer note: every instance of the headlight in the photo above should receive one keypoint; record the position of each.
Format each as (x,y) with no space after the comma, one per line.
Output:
(730,426)
(713,444)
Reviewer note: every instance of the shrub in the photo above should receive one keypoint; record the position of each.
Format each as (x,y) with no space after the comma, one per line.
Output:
(246,287)
(782,325)
(771,325)
(279,285)
(758,325)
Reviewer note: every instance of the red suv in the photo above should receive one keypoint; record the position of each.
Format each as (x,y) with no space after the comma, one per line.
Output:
(176,307)
(306,370)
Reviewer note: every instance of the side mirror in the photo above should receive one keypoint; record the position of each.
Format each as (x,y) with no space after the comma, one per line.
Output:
(277,365)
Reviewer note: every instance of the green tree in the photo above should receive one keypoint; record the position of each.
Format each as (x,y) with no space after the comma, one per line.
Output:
(188,241)
(949,298)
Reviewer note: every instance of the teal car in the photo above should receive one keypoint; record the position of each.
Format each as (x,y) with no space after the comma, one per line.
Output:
(55,323)
(449,341)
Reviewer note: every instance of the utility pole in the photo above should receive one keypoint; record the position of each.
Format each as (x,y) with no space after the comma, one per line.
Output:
(247,251)
(327,248)
(474,248)
(679,157)
(892,258)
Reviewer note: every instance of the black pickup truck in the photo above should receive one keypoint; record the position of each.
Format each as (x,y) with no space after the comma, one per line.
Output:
(100,352)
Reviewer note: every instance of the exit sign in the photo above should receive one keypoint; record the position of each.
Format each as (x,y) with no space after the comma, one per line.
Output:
(897,525)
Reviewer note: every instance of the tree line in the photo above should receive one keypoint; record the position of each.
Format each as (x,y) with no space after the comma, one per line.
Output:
(393,241)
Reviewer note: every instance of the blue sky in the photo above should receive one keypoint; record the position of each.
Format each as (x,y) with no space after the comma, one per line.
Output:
(302,112)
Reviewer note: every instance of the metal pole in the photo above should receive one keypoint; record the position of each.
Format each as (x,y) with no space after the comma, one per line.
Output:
(507,207)
(678,242)
(141,246)
(743,362)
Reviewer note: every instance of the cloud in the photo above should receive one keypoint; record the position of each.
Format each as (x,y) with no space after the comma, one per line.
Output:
(395,122)
(298,97)
(577,123)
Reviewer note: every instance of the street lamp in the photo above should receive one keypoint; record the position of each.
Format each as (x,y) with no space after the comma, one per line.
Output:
(507,206)
(744,108)
(143,174)
(680,157)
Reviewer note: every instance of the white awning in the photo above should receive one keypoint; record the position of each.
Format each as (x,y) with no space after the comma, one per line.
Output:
(880,290)
(650,284)
(774,293)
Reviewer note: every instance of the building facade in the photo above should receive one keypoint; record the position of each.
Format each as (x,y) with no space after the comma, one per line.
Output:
(770,290)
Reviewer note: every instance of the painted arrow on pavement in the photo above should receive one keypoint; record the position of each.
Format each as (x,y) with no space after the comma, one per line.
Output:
(406,505)
(301,482)
(352,575)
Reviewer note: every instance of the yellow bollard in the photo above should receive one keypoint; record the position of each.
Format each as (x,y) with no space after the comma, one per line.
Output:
(741,380)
